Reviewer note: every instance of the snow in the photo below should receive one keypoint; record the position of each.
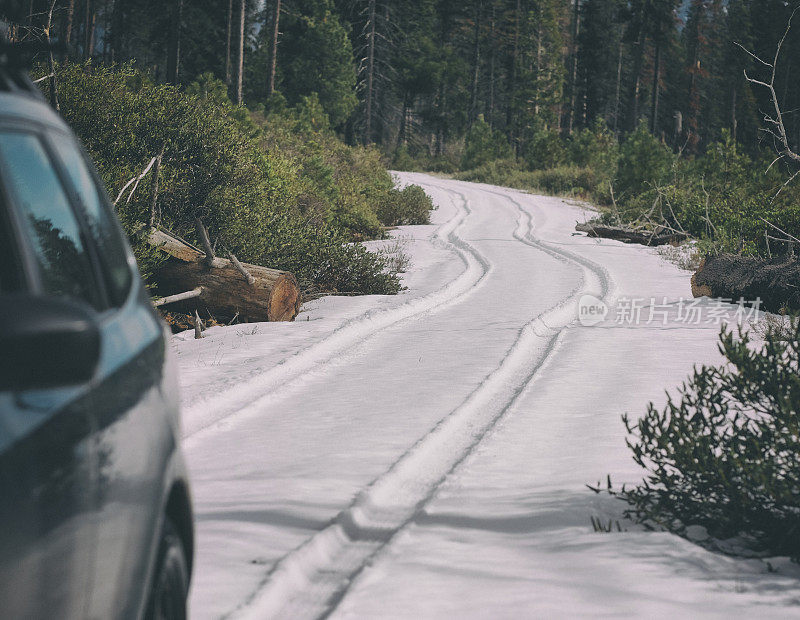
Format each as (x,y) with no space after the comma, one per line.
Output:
(426,454)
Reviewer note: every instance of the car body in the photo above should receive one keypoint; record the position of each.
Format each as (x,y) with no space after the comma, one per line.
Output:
(95,515)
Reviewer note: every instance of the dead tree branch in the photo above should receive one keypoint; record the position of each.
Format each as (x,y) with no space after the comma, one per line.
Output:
(241,269)
(784,149)
(53,82)
(202,234)
(171,299)
(198,326)
(154,192)
(134,180)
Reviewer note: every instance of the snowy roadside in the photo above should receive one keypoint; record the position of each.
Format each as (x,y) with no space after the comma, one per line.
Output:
(215,370)
(381,408)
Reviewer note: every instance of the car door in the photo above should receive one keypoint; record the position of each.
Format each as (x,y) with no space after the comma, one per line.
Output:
(47,455)
(134,440)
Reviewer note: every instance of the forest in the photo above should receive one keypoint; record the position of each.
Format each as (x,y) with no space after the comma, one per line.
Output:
(660,110)
(421,74)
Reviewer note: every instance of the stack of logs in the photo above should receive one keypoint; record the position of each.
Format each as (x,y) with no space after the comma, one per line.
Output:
(191,278)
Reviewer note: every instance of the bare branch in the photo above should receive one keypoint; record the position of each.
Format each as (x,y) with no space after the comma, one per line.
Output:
(136,181)
(198,326)
(202,234)
(753,81)
(749,53)
(154,190)
(774,161)
(171,299)
(783,147)
(791,178)
(783,232)
(241,269)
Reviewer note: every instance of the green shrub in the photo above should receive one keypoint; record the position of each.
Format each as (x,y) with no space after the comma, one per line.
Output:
(402,160)
(644,163)
(293,199)
(562,181)
(725,454)
(565,180)
(483,144)
(409,206)
(545,149)
(445,164)
(497,172)
(595,148)
(340,185)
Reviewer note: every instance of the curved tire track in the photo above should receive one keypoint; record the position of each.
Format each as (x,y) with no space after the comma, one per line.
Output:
(310,581)
(251,395)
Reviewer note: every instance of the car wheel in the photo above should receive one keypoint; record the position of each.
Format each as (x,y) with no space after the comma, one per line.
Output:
(171,581)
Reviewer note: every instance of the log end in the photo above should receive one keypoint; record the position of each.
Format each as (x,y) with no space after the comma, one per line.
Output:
(284,299)
(698,289)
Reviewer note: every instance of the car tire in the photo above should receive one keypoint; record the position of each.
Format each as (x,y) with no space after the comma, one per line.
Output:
(170,587)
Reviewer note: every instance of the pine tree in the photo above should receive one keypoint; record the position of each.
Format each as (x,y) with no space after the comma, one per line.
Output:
(317,58)
(599,60)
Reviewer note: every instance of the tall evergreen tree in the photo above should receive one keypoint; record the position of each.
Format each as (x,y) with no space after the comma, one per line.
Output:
(599,61)
(318,58)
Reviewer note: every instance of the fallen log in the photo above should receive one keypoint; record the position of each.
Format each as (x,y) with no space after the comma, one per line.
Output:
(659,236)
(272,295)
(776,282)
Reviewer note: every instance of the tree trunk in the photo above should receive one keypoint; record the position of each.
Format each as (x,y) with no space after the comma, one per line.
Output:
(538,67)
(619,88)
(656,79)
(87,30)
(70,19)
(273,296)
(92,31)
(228,45)
(273,54)
(492,57)
(512,77)
(53,80)
(633,99)
(733,277)
(476,63)
(118,32)
(174,43)
(240,55)
(401,134)
(573,72)
(107,13)
(370,73)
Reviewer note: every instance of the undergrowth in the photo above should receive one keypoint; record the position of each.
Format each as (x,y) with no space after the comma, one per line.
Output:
(723,455)
(279,190)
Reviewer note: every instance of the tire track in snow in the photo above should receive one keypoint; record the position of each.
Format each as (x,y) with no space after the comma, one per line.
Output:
(310,581)
(250,396)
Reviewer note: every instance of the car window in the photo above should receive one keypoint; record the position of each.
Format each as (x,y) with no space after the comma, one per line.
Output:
(103,229)
(10,271)
(49,222)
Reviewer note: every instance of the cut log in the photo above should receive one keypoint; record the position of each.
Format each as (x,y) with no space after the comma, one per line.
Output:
(273,295)
(659,236)
(776,282)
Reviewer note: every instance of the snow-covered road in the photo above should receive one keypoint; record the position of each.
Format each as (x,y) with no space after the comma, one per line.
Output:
(425,455)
